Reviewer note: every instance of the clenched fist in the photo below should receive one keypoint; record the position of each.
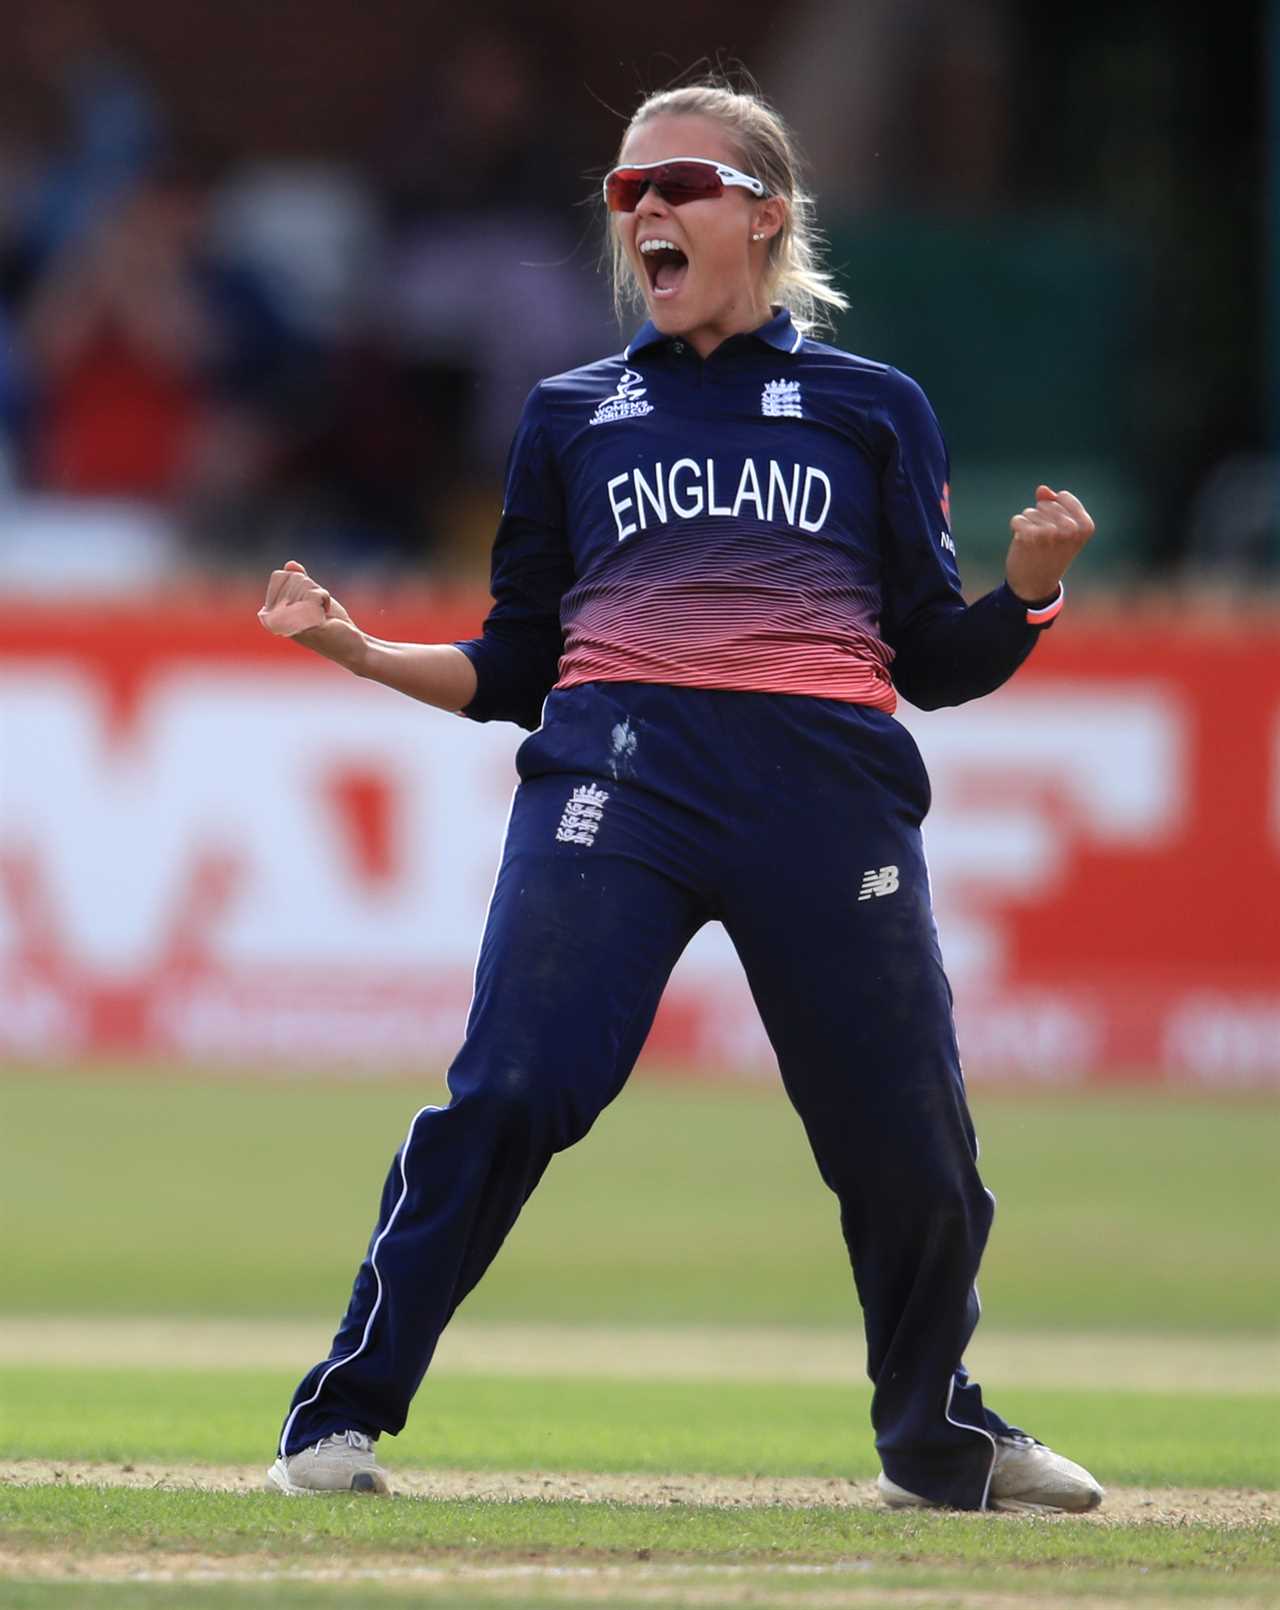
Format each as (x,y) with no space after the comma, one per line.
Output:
(1045,541)
(437,673)
(295,604)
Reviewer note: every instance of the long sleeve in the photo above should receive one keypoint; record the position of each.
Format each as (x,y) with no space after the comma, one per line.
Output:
(517,655)
(945,652)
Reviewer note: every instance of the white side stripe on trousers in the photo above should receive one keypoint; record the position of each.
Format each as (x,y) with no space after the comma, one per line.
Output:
(373,1262)
(404,1177)
(951,1392)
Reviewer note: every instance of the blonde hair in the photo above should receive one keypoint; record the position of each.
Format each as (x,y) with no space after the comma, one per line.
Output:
(767,150)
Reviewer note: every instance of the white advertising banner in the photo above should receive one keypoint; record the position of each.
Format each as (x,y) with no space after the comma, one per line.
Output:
(216,850)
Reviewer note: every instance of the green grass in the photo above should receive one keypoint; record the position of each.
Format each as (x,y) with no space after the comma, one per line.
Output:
(969,1554)
(125,1195)
(730,1428)
(230,1523)
(137,1195)
(462,1552)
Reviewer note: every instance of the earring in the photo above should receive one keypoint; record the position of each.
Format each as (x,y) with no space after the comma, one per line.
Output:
(758,237)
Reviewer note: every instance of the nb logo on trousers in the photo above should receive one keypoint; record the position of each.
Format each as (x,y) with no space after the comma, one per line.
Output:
(878,882)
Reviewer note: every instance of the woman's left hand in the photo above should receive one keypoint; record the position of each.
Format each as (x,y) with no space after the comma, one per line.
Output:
(1045,541)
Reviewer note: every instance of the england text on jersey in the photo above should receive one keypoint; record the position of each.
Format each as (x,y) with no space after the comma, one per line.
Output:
(796,495)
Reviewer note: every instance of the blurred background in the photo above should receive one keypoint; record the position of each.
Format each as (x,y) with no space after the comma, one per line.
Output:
(283,275)
(274,282)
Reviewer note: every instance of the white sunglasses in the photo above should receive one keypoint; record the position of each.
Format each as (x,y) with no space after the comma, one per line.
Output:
(677,180)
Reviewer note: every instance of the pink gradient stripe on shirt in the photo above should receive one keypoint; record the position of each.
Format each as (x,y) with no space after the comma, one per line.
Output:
(715,605)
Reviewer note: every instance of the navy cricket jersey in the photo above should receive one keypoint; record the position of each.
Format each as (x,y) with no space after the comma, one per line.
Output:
(772,518)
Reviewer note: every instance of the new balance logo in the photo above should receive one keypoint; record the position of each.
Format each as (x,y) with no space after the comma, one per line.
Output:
(780,399)
(947,541)
(628,402)
(582,816)
(883,881)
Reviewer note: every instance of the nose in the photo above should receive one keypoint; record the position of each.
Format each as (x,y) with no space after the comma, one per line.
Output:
(651,200)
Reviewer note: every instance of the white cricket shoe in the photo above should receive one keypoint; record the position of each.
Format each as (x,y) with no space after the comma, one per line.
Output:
(1027,1476)
(342,1463)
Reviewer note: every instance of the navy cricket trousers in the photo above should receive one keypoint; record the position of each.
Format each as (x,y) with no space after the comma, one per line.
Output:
(644,812)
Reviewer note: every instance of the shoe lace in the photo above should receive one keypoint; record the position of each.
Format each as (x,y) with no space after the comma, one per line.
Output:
(347,1439)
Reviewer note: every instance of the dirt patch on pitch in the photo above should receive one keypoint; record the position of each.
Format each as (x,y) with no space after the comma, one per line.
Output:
(834,1586)
(1166,1506)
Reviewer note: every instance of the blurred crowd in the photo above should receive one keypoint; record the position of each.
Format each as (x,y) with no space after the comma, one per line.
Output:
(232,353)
(280,354)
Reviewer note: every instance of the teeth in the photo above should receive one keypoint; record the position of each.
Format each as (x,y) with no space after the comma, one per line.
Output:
(658,246)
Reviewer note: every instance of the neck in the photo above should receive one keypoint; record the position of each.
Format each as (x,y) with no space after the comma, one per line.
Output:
(707,337)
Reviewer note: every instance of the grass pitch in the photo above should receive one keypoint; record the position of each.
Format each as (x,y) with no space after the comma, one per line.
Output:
(232,1546)
(695,1210)
(1189,1439)
(684,1204)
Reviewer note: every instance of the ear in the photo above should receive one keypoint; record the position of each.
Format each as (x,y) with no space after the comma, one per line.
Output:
(768,217)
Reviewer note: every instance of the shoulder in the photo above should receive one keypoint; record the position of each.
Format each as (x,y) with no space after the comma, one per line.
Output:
(554,391)
(880,383)
(584,381)
(609,389)
(888,403)
(822,355)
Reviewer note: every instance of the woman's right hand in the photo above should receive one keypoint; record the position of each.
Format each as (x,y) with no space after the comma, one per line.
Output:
(300,608)
(296,605)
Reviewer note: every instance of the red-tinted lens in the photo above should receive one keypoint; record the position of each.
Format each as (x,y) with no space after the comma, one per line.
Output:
(675,182)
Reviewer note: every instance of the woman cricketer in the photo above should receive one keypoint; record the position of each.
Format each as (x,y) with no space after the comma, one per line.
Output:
(721,552)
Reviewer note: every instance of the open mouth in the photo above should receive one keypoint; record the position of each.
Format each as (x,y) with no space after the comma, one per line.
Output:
(666,265)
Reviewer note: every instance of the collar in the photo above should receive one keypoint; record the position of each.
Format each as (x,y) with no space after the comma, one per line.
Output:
(779,333)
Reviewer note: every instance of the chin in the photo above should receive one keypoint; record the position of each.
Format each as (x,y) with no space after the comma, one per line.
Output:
(670,319)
